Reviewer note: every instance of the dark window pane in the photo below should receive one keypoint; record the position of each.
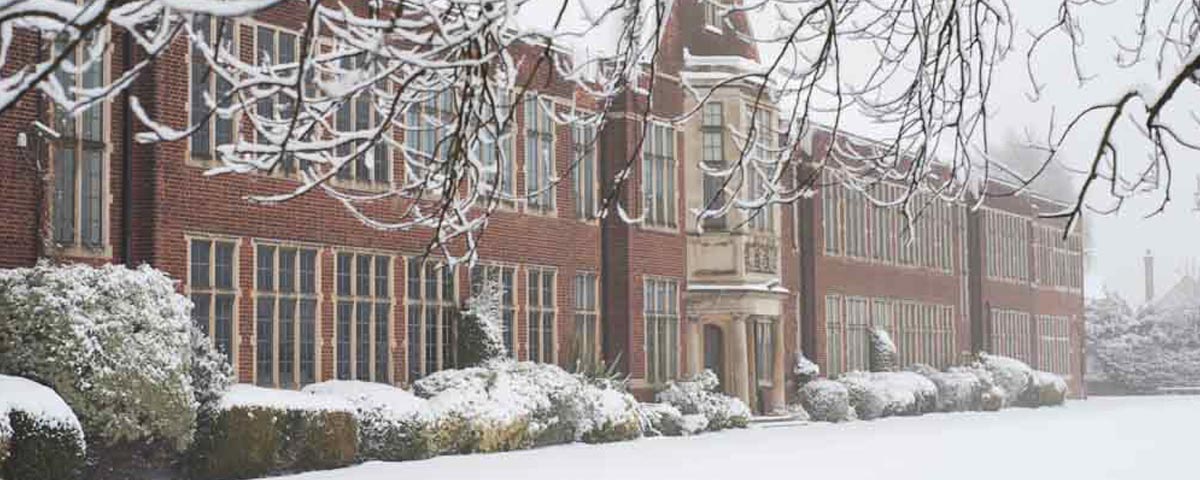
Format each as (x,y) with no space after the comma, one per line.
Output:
(287,270)
(363,276)
(308,341)
(343,273)
(383,352)
(265,344)
(414,280)
(64,196)
(287,341)
(308,271)
(201,250)
(414,342)
(224,325)
(382,270)
(91,198)
(431,340)
(345,310)
(224,265)
(202,311)
(363,341)
(266,268)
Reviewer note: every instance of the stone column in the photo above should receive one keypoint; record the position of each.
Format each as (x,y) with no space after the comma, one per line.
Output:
(777,399)
(738,359)
(693,335)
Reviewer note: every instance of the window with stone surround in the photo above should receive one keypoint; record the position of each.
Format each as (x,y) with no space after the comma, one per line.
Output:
(587,314)
(661,310)
(1012,334)
(432,307)
(712,148)
(541,310)
(1054,352)
(539,153)
(213,288)
(584,173)
(658,176)
(362,316)
(286,315)
(212,128)
(79,154)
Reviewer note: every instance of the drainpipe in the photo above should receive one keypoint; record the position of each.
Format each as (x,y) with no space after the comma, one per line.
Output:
(126,157)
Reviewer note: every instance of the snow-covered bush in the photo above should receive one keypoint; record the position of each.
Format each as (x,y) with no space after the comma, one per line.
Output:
(826,401)
(1011,375)
(480,336)
(699,395)
(883,355)
(393,424)
(115,343)
(1050,389)
(805,370)
(40,437)
(885,394)
(959,390)
(1145,350)
(507,405)
(256,431)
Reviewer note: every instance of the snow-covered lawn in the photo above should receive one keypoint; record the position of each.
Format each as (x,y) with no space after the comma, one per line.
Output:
(1129,438)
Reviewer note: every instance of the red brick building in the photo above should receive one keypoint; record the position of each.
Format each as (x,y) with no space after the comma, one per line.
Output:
(303,292)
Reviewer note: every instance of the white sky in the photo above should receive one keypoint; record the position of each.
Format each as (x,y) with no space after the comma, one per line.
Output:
(1119,241)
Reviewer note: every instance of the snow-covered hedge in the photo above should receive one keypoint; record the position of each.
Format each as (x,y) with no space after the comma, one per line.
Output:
(885,394)
(959,390)
(826,401)
(256,431)
(507,405)
(1051,389)
(40,437)
(1011,375)
(1022,385)
(666,420)
(393,424)
(116,344)
(699,395)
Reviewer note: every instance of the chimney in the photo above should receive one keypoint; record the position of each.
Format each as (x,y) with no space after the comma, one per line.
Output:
(1149,263)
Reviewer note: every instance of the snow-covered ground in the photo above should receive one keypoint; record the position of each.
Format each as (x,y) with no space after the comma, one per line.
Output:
(1103,438)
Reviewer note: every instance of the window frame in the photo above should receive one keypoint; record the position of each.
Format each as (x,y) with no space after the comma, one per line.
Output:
(76,141)
(536,312)
(587,317)
(713,17)
(356,300)
(288,166)
(297,295)
(417,347)
(352,179)
(712,129)
(192,156)
(661,361)
(585,192)
(213,291)
(661,189)
(546,202)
